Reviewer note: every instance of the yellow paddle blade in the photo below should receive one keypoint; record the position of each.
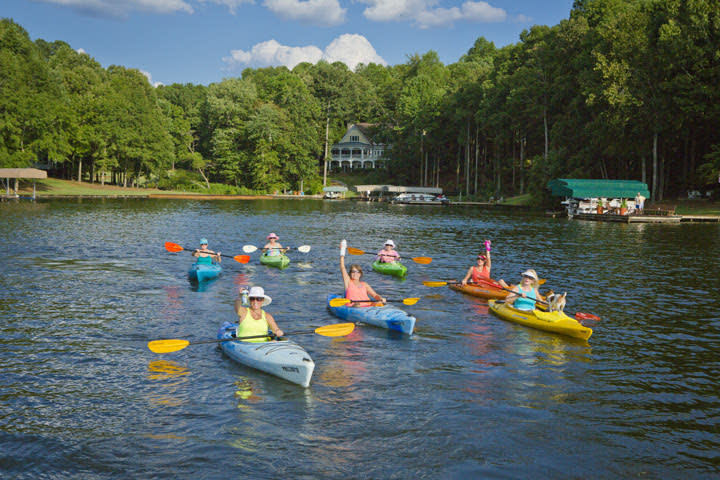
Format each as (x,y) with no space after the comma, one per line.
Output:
(410,301)
(173,247)
(339,302)
(435,284)
(167,346)
(355,251)
(422,260)
(336,330)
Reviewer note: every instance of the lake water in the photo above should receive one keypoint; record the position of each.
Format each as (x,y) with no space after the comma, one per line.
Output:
(87,283)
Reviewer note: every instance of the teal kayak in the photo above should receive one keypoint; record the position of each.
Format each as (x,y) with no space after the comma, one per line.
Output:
(278,261)
(396,269)
(201,272)
(385,316)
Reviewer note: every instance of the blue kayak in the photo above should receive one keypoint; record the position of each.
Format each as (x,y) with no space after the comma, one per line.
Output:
(201,272)
(386,316)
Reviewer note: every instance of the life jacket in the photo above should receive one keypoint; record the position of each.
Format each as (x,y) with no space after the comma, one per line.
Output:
(250,327)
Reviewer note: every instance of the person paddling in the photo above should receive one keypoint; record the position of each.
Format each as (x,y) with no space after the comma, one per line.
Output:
(205,256)
(253,320)
(273,247)
(388,254)
(355,288)
(525,294)
(480,271)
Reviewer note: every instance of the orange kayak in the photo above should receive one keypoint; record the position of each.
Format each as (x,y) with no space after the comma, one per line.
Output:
(482,290)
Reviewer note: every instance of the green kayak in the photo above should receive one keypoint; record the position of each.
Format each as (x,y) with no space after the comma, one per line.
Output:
(395,269)
(278,261)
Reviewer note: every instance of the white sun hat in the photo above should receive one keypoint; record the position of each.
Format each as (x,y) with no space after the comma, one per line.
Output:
(390,242)
(529,273)
(257,292)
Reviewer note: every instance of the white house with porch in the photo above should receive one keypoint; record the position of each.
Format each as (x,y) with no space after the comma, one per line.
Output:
(357,150)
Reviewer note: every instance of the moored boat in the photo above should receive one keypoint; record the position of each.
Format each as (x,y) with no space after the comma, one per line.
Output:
(277,261)
(396,269)
(383,316)
(556,322)
(201,272)
(282,358)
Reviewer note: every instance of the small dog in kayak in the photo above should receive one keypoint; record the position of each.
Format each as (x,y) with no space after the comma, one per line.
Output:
(556,302)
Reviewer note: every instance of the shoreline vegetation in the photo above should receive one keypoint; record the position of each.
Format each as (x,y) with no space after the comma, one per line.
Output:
(55,188)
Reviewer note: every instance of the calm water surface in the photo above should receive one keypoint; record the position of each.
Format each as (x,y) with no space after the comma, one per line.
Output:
(87,283)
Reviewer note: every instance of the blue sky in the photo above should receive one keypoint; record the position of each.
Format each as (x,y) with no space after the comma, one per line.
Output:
(204,41)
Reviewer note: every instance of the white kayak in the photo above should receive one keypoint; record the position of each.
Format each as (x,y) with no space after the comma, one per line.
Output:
(282,358)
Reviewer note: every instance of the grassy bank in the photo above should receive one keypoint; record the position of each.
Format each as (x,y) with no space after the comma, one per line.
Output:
(51,187)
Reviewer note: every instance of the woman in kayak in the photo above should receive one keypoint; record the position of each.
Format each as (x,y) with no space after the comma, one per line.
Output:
(355,288)
(205,256)
(273,247)
(388,254)
(526,293)
(253,320)
(481,271)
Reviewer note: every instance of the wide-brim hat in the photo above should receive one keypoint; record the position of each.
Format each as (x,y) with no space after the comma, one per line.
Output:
(390,242)
(257,292)
(272,235)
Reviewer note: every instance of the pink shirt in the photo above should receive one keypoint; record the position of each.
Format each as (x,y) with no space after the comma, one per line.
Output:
(386,256)
(358,292)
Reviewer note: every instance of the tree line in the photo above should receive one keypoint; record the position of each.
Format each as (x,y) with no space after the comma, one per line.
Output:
(622,89)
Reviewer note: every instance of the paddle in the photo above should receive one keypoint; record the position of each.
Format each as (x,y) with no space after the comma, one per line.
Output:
(173,345)
(339,302)
(420,260)
(174,247)
(301,248)
(489,283)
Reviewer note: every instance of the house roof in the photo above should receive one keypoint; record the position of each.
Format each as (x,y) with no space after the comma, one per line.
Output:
(588,188)
(22,173)
(335,188)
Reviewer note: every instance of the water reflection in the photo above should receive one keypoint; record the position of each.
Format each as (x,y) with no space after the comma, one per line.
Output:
(172,378)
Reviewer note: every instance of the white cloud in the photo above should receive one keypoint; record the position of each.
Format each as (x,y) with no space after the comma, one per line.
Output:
(316,12)
(231,4)
(149,77)
(348,48)
(122,8)
(427,14)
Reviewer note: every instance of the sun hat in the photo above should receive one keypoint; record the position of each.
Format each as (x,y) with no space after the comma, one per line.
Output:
(272,235)
(529,273)
(203,241)
(257,292)
(483,257)
(390,242)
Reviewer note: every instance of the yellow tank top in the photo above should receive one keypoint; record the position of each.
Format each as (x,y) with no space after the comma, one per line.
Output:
(250,327)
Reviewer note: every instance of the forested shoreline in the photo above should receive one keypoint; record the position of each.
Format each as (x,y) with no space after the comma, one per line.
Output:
(622,89)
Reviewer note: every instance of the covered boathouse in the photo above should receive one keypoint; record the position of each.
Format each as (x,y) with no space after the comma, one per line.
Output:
(608,200)
(17,173)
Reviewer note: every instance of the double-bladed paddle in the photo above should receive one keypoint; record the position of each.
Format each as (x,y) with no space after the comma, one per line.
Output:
(357,251)
(301,248)
(174,247)
(173,345)
(339,302)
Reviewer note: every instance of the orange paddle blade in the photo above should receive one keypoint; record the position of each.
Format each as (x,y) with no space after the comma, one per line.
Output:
(422,260)
(173,247)
(242,258)
(355,251)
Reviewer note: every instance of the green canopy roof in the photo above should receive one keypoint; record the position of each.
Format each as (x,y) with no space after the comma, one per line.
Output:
(587,188)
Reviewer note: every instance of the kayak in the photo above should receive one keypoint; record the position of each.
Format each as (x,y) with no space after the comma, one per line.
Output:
(395,269)
(482,290)
(202,271)
(556,322)
(282,358)
(278,261)
(383,316)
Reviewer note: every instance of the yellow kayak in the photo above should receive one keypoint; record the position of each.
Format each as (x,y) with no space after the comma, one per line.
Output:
(556,322)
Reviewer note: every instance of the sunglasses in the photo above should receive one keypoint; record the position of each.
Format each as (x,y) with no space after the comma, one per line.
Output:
(256,299)
(355,271)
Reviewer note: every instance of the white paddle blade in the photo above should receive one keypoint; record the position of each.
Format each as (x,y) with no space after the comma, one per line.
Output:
(304,248)
(249,248)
